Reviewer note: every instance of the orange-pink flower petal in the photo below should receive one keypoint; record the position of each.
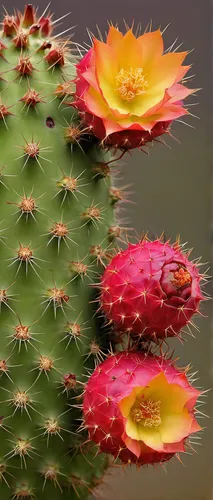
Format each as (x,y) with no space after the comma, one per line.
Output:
(152,47)
(114,37)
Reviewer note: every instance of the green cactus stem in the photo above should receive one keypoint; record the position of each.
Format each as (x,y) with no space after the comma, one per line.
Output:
(57,231)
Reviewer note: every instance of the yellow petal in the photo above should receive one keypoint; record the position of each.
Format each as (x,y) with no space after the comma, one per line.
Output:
(173,397)
(112,96)
(132,429)
(128,52)
(141,104)
(164,73)
(114,36)
(147,121)
(152,47)
(175,427)
(152,439)
(138,106)
(126,404)
(107,68)
(150,436)
(106,62)
(95,103)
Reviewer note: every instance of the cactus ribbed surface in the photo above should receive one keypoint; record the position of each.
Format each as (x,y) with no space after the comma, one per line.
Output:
(55,212)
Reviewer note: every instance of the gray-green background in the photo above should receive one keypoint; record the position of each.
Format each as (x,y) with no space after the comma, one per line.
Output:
(172,191)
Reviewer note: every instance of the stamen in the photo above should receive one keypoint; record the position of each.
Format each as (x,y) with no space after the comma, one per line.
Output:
(181,277)
(147,413)
(131,83)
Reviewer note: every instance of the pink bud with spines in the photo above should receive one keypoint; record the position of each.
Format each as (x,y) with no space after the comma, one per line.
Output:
(69,381)
(151,290)
(29,16)
(139,408)
(55,56)
(45,26)
(11,25)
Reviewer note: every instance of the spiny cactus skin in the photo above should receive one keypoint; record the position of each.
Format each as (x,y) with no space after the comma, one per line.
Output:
(56,213)
(151,290)
(140,408)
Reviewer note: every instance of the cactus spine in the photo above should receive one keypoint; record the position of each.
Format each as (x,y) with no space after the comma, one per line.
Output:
(56,228)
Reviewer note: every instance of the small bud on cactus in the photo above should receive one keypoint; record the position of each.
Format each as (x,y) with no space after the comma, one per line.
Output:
(151,289)
(69,381)
(24,66)
(4,111)
(10,25)
(140,408)
(29,16)
(55,57)
(45,24)
(21,40)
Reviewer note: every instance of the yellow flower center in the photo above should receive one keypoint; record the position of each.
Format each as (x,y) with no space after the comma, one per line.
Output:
(131,83)
(147,413)
(181,277)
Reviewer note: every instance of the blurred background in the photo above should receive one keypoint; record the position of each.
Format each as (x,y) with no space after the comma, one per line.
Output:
(172,191)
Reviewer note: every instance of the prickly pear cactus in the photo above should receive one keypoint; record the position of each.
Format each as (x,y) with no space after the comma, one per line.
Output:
(57,228)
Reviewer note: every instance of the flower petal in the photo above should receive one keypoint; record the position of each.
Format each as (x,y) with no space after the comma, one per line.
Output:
(168,113)
(181,73)
(195,426)
(164,73)
(150,436)
(129,52)
(175,427)
(107,66)
(114,36)
(90,77)
(173,397)
(147,122)
(161,94)
(95,103)
(175,447)
(152,47)
(112,96)
(111,126)
(141,104)
(134,446)
(178,92)
(126,404)
(85,62)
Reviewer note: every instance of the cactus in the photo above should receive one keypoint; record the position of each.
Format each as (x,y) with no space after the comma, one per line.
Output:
(58,119)
(57,213)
